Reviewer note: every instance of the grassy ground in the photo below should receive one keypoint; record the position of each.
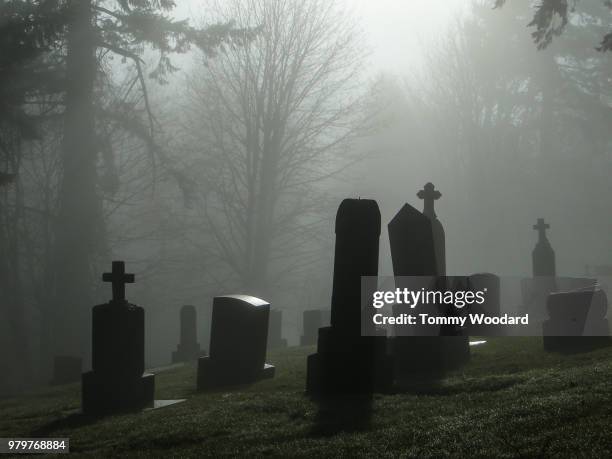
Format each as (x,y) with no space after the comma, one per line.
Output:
(511,400)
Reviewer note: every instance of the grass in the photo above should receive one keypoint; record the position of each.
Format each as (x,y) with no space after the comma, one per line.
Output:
(511,400)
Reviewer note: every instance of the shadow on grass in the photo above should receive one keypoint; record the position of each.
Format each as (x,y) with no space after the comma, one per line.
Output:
(342,413)
(71,421)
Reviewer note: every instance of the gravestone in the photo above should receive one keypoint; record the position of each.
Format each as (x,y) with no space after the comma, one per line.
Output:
(422,349)
(429,195)
(543,255)
(490,307)
(347,361)
(577,321)
(188,348)
(275,336)
(66,369)
(238,339)
(314,319)
(117,381)
(543,282)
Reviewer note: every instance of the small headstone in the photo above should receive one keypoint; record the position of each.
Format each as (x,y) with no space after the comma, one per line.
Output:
(238,339)
(66,369)
(275,336)
(346,361)
(188,348)
(117,381)
(313,320)
(577,321)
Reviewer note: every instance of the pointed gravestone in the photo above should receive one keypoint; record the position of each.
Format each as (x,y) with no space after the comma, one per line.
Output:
(313,320)
(415,266)
(346,361)
(117,381)
(275,330)
(238,339)
(188,348)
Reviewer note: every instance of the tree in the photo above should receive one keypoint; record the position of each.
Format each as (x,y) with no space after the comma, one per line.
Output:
(270,122)
(82,36)
(550,20)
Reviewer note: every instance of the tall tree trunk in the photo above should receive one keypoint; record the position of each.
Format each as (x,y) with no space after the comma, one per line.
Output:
(79,223)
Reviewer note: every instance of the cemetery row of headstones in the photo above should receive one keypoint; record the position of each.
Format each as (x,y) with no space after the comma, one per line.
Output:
(352,354)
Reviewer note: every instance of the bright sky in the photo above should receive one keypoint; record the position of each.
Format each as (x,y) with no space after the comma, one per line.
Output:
(398,31)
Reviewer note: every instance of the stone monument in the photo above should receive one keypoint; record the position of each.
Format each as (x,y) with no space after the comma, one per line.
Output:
(188,348)
(117,381)
(238,340)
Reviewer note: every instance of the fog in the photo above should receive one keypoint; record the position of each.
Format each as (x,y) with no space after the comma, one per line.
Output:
(389,95)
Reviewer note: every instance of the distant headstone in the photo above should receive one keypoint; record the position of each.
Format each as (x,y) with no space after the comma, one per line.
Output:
(346,361)
(238,339)
(577,321)
(313,320)
(275,336)
(413,253)
(117,381)
(188,348)
(543,255)
(66,369)
(544,281)
(429,195)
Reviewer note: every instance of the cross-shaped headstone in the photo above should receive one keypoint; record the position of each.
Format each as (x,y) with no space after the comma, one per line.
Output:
(541,228)
(118,277)
(429,194)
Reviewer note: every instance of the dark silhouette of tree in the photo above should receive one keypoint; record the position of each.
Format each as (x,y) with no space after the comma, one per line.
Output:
(70,43)
(550,20)
(271,121)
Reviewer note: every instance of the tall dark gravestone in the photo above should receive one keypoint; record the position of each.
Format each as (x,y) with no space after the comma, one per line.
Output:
(313,319)
(188,348)
(117,381)
(275,330)
(346,361)
(238,339)
(413,253)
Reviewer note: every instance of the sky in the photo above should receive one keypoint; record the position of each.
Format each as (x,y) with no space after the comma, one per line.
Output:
(397,31)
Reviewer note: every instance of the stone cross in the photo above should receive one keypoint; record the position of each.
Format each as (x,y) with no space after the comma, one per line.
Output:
(541,228)
(118,278)
(429,194)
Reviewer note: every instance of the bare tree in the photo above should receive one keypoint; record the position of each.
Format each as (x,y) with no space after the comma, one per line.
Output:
(271,121)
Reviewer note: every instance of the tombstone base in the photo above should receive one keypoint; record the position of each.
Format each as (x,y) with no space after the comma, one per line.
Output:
(214,374)
(349,365)
(102,394)
(428,354)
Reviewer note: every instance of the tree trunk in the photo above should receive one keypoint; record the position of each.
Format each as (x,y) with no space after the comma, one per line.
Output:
(80,222)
